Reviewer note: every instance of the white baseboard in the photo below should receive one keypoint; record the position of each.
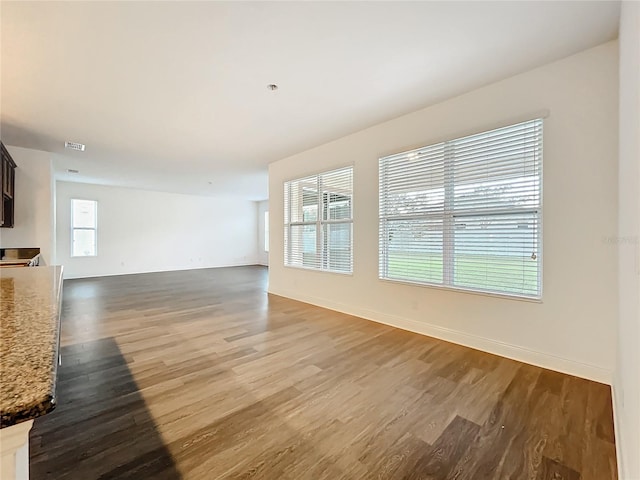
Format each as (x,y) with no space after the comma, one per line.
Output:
(514,352)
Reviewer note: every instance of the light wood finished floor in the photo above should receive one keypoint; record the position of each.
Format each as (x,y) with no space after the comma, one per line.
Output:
(202,375)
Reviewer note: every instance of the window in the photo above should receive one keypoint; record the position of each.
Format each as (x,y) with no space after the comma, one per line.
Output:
(318,222)
(466,213)
(83,228)
(266,231)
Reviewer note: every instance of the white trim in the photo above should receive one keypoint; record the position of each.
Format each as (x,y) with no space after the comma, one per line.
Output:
(14,451)
(312,269)
(616,431)
(514,352)
(485,293)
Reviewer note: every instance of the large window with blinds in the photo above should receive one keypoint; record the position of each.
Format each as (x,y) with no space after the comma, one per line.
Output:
(318,221)
(466,213)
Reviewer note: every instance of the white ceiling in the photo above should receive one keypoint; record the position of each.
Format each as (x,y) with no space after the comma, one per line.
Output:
(171,96)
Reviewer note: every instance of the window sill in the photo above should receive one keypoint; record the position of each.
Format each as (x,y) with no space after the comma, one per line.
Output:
(505,296)
(309,269)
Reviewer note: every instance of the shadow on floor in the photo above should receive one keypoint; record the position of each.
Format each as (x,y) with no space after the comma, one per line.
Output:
(101,427)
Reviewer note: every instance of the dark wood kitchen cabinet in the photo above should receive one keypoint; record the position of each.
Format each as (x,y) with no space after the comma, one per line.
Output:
(8,188)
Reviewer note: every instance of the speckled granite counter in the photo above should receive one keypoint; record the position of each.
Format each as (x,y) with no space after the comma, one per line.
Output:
(29,341)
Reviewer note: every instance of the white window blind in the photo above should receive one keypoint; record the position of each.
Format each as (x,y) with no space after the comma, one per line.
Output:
(466,213)
(318,221)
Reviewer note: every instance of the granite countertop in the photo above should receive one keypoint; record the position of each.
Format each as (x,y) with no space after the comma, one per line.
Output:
(29,341)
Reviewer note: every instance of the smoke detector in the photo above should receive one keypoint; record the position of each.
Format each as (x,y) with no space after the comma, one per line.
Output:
(74,146)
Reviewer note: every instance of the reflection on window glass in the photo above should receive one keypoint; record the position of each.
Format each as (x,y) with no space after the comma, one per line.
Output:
(84,243)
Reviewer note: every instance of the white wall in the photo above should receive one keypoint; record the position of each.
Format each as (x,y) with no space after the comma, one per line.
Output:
(263,257)
(573,329)
(627,379)
(144,231)
(34,203)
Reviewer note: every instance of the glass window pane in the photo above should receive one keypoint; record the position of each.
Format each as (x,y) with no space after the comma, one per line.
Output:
(337,238)
(83,213)
(517,192)
(303,201)
(337,207)
(309,205)
(337,188)
(413,250)
(84,243)
(302,244)
(497,253)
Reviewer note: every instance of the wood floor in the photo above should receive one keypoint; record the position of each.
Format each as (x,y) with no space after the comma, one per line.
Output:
(202,375)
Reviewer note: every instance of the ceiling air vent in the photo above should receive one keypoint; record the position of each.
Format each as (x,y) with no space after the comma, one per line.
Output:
(74,146)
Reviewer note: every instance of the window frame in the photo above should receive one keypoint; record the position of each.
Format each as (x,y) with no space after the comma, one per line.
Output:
(448,216)
(74,228)
(319,223)
(266,231)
